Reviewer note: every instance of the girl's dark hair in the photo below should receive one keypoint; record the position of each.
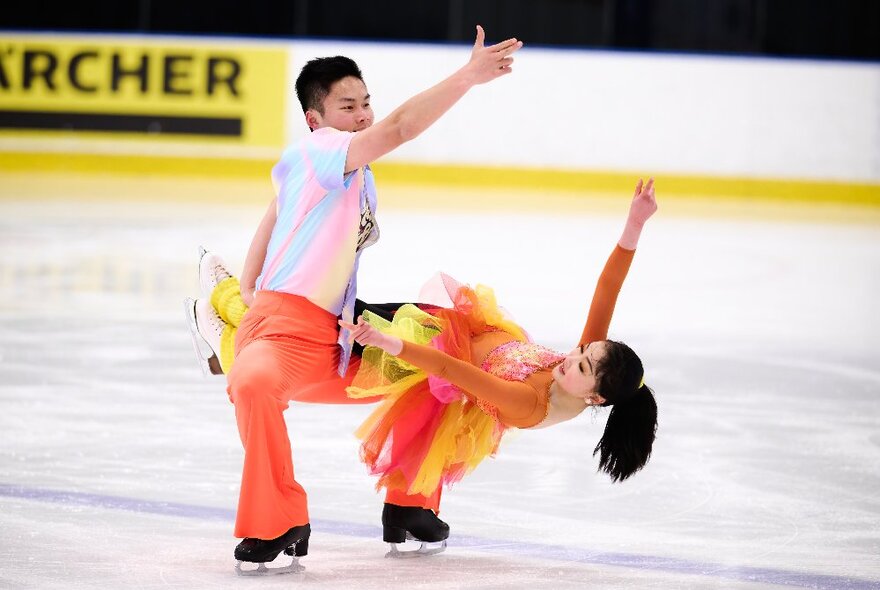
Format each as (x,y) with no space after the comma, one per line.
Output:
(318,75)
(626,444)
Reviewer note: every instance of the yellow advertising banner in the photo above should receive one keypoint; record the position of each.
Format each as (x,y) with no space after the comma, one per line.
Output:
(139,89)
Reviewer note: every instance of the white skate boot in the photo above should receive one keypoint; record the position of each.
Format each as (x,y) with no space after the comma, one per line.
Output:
(205,329)
(212,271)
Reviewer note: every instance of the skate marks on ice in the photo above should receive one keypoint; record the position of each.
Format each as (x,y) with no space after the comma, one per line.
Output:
(465,548)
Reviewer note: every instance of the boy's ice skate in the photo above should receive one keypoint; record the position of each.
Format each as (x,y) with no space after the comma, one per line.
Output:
(205,329)
(402,523)
(294,542)
(212,271)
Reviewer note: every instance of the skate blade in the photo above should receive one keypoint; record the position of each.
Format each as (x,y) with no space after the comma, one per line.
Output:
(200,347)
(424,550)
(261,570)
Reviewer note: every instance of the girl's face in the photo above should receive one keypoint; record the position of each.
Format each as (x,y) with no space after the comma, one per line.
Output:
(576,373)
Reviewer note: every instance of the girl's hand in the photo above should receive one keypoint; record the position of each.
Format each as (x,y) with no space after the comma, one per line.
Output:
(644,204)
(367,335)
(641,209)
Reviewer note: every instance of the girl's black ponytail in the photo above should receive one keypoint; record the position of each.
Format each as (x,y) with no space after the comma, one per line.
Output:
(626,444)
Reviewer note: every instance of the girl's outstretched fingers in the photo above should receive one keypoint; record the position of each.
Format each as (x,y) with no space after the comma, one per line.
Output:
(355,331)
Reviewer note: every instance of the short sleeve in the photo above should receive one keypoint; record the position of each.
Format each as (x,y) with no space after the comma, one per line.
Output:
(326,150)
(281,170)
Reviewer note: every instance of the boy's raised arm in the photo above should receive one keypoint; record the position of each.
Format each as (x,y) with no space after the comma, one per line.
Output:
(411,118)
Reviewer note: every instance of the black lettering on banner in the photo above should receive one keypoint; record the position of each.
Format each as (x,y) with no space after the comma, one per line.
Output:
(83,69)
(73,71)
(117,73)
(214,74)
(4,81)
(31,70)
(149,124)
(172,74)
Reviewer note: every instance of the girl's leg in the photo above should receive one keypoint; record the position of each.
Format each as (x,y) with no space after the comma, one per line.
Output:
(223,289)
(226,299)
(399,498)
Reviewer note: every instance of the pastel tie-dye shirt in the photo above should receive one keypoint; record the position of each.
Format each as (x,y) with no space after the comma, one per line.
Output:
(324,220)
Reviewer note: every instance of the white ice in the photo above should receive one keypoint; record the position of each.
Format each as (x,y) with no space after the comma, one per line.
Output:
(120,463)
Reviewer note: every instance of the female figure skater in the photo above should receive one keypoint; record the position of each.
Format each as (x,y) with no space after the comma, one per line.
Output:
(455,378)
(449,403)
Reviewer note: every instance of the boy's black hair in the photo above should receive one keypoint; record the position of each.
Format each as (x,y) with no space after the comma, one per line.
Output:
(318,75)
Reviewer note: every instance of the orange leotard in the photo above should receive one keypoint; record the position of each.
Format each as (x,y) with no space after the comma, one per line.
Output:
(521,404)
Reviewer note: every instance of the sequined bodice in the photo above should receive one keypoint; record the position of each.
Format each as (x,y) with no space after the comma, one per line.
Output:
(515,360)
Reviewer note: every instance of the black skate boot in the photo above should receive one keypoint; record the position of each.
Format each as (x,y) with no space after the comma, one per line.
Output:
(294,542)
(400,523)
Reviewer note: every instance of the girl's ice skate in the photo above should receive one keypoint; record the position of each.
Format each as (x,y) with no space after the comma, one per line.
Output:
(402,523)
(205,329)
(212,271)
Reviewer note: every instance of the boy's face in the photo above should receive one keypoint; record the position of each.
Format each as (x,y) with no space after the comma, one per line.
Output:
(346,107)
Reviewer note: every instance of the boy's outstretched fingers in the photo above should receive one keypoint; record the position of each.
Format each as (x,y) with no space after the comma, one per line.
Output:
(481,37)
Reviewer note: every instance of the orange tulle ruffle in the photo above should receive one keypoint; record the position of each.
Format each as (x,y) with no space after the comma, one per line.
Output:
(426,432)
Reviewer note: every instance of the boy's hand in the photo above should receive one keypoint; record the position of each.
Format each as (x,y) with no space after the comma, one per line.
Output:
(488,63)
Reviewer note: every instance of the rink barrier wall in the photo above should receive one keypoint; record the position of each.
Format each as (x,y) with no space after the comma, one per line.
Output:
(707,125)
(563,181)
(668,114)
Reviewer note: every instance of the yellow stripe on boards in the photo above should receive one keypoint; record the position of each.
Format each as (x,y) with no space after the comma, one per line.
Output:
(457,188)
(615,182)
(135,164)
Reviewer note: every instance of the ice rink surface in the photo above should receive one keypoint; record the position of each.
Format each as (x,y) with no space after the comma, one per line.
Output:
(120,463)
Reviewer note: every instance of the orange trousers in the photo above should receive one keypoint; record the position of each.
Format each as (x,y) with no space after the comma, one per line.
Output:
(285,350)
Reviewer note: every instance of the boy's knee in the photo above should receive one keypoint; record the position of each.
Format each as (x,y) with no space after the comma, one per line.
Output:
(250,385)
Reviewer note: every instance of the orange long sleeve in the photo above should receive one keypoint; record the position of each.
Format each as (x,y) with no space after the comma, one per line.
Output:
(605,296)
(515,400)
(524,404)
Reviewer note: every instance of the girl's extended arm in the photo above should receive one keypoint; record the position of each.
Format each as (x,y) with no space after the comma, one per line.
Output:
(643,205)
(515,400)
